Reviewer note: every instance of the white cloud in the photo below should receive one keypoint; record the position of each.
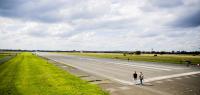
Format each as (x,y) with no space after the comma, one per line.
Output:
(100,25)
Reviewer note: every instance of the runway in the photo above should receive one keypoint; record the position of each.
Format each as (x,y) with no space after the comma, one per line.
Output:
(122,70)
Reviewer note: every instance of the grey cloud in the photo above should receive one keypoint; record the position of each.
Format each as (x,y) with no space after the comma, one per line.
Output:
(43,11)
(10,4)
(188,20)
(166,3)
(67,34)
(107,24)
(119,24)
(27,10)
(38,33)
(148,35)
(35,10)
(46,32)
(176,34)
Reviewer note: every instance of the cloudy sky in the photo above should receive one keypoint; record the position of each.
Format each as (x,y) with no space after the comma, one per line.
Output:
(100,24)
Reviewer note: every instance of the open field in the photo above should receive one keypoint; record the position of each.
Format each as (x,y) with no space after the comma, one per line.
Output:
(27,74)
(166,58)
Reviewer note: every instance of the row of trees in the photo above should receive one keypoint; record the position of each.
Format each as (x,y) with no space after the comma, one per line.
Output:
(124,52)
(162,52)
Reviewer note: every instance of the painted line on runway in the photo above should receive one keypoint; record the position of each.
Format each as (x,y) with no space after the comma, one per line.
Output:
(171,76)
(111,90)
(169,80)
(124,88)
(159,66)
(128,64)
(159,82)
(119,64)
(142,64)
(178,78)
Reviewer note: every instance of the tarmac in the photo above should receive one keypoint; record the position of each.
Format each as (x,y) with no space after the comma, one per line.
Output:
(179,80)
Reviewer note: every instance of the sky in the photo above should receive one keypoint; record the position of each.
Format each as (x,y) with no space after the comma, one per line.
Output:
(127,25)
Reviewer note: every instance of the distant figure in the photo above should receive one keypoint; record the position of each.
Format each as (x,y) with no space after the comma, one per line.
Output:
(188,63)
(141,78)
(135,77)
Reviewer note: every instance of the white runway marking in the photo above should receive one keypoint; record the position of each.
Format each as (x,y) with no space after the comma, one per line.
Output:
(169,80)
(124,88)
(125,63)
(158,82)
(124,66)
(128,64)
(111,89)
(179,78)
(157,66)
(171,76)
(140,66)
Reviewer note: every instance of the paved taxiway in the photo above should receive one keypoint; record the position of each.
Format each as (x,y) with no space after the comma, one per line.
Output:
(121,70)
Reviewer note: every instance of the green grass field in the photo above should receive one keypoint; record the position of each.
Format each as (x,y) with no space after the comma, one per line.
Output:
(167,58)
(2,56)
(27,74)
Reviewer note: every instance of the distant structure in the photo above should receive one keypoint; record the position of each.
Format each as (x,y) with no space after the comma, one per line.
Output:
(81,51)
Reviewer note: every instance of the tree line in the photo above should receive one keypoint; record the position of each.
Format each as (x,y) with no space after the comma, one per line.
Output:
(124,52)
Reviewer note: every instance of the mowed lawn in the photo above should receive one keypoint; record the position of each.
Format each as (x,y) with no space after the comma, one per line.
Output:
(27,74)
(166,58)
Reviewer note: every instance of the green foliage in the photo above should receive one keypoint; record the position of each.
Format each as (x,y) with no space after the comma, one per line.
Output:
(27,74)
(138,52)
(124,54)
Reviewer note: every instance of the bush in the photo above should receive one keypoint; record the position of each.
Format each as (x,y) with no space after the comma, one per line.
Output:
(138,52)
(124,54)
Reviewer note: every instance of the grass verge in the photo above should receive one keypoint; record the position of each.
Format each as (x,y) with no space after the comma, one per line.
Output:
(2,56)
(27,74)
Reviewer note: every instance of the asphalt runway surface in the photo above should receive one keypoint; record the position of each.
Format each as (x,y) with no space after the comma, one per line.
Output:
(122,70)
(184,85)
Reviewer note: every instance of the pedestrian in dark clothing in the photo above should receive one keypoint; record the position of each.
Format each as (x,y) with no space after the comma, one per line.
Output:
(141,76)
(135,77)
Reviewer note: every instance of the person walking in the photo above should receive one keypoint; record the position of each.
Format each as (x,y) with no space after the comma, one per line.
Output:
(135,77)
(141,76)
